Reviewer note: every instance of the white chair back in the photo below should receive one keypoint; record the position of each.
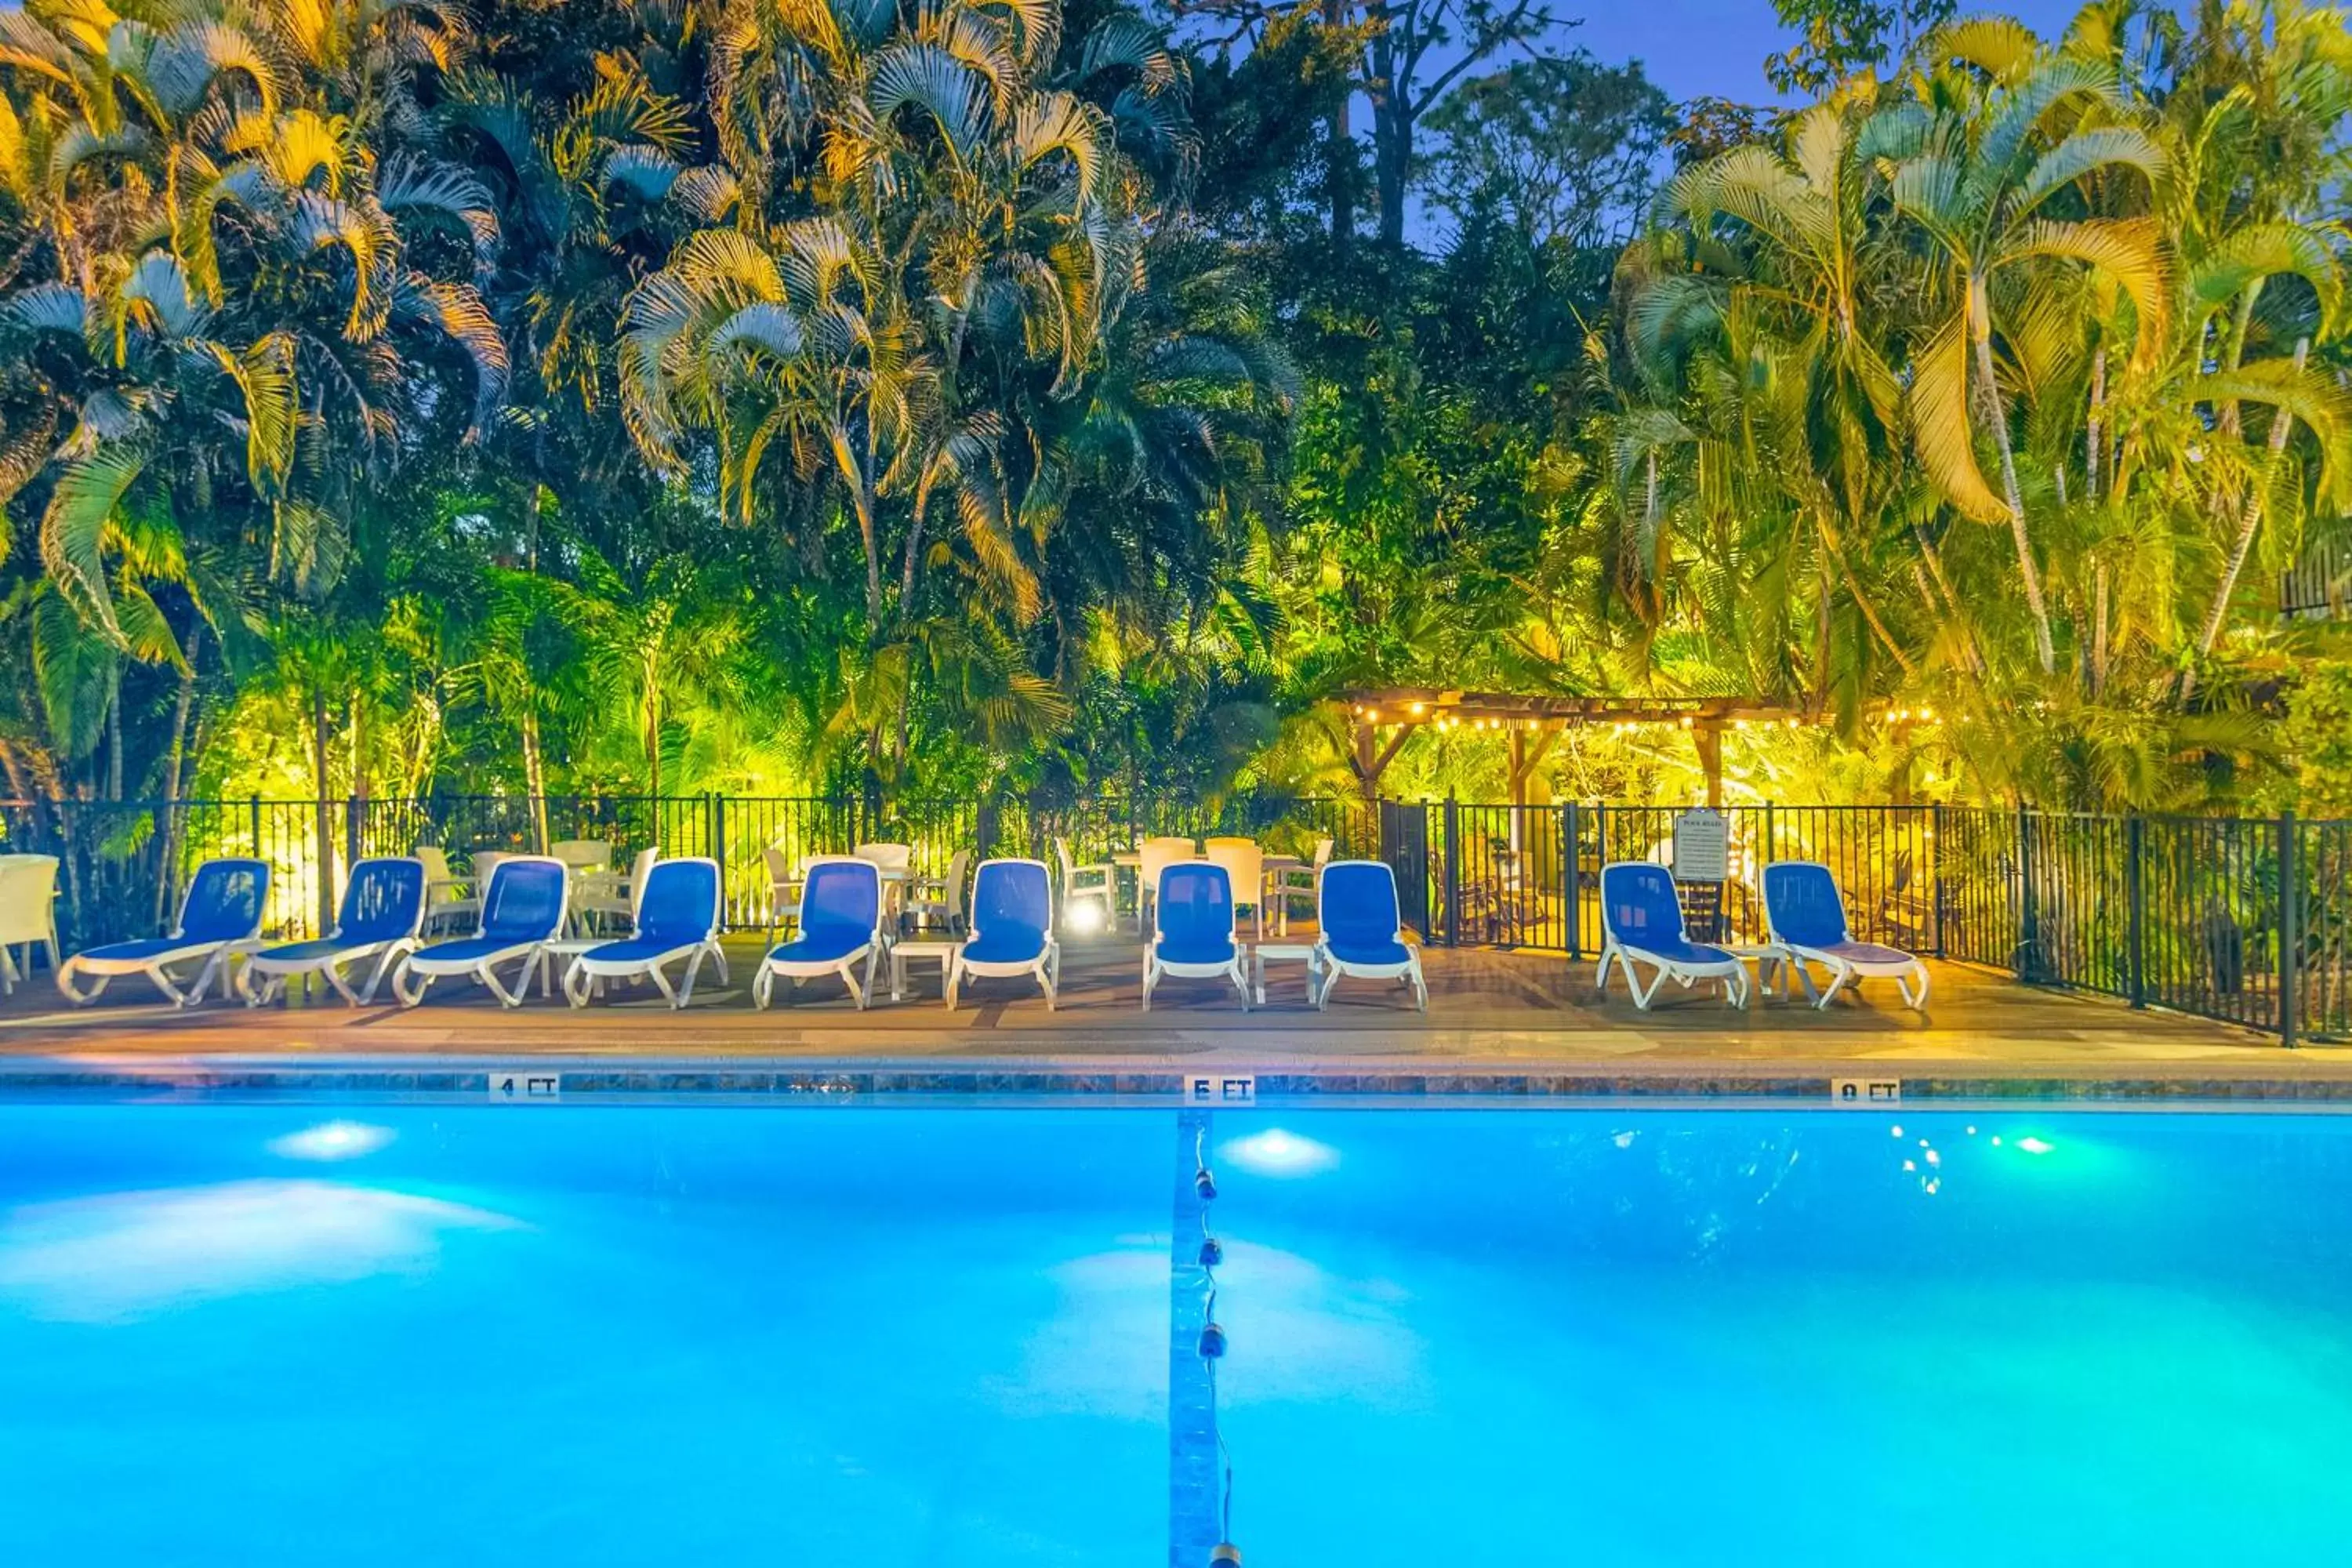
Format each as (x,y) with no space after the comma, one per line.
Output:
(1244,864)
(435,862)
(959,875)
(1155,856)
(886,856)
(28,890)
(639,869)
(1323,847)
(583,854)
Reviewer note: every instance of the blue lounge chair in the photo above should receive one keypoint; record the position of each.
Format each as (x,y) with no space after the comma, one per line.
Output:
(1804,918)
(384,909)
(1012,928)
(840,929)
(219,920)
(1194,935)
(677,917)
(1363,929)
(522,910)
(1642,922)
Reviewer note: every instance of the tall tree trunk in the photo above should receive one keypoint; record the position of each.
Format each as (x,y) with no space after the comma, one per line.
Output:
(2099,629)
(355,821)
(114,729)
(321,739)
(1860,599)
(175,768)
(1338,154)
(534,777)
(2250,519)
(2094,434)
(1989,398)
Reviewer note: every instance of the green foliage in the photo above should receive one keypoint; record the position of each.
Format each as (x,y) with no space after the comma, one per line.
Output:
(588,395)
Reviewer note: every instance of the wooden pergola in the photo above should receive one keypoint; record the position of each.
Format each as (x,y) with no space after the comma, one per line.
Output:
(1530,724)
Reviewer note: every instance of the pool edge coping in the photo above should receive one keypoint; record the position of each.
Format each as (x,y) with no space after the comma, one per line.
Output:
(613,1079)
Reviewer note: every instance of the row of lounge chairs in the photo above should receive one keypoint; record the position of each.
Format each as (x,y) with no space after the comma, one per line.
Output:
(844,931)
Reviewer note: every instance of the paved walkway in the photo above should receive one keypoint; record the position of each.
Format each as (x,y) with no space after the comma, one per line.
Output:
(1490,1014)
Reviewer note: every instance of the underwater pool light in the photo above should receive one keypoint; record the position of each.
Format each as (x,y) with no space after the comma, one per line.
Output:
(2034,1145)
(1278,1153)
(332,1141)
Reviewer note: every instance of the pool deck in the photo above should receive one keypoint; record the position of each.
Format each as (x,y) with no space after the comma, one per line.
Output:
(1498,1023)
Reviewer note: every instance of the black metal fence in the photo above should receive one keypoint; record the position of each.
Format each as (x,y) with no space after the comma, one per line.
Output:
(2244,920)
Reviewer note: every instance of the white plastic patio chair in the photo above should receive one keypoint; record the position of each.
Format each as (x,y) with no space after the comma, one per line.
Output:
(941,899)
(1093,883)
(1153,858)
(1244,864)
(1299,881)
(784,889)
(599,898)
(28,914)
(447,894)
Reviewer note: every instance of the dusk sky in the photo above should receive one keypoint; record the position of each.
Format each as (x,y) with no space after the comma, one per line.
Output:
(1692,47)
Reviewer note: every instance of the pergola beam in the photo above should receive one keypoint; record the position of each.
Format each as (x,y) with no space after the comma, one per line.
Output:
(1545,716)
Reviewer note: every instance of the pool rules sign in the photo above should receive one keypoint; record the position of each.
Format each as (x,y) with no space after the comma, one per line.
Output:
(1702,865)
(1702,846)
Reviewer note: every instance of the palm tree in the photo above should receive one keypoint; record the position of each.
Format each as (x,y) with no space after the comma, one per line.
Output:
(1980,181)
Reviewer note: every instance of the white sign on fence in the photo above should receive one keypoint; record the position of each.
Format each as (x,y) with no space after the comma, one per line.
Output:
(1702,846)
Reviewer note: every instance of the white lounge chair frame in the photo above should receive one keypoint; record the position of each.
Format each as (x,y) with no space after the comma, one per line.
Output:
(216,956)
(1155,967)
(273,973)
(1910,974)
(580,979)
(1731,971)
(876,948)
(1332,967)
(423,970)
(1046,966)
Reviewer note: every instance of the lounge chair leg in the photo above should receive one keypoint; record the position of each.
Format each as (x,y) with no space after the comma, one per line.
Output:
(342,987)
(760,984)
(953,981)
(849,978)
(1838,977)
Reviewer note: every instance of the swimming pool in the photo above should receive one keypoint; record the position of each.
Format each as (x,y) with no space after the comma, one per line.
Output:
(382,1334)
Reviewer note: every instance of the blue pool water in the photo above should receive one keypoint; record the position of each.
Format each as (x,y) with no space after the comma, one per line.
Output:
(384,1334)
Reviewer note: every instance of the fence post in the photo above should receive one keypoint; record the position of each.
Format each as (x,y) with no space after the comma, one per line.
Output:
(1764,856)
(257,829)
(2289,938)
(719,853)
(1935,877)
(1570,896)
(2029,921)
(353,810)
(2135,908)
(1452,873)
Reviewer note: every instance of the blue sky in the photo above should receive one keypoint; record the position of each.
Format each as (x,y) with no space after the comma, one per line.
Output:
(1692,47)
